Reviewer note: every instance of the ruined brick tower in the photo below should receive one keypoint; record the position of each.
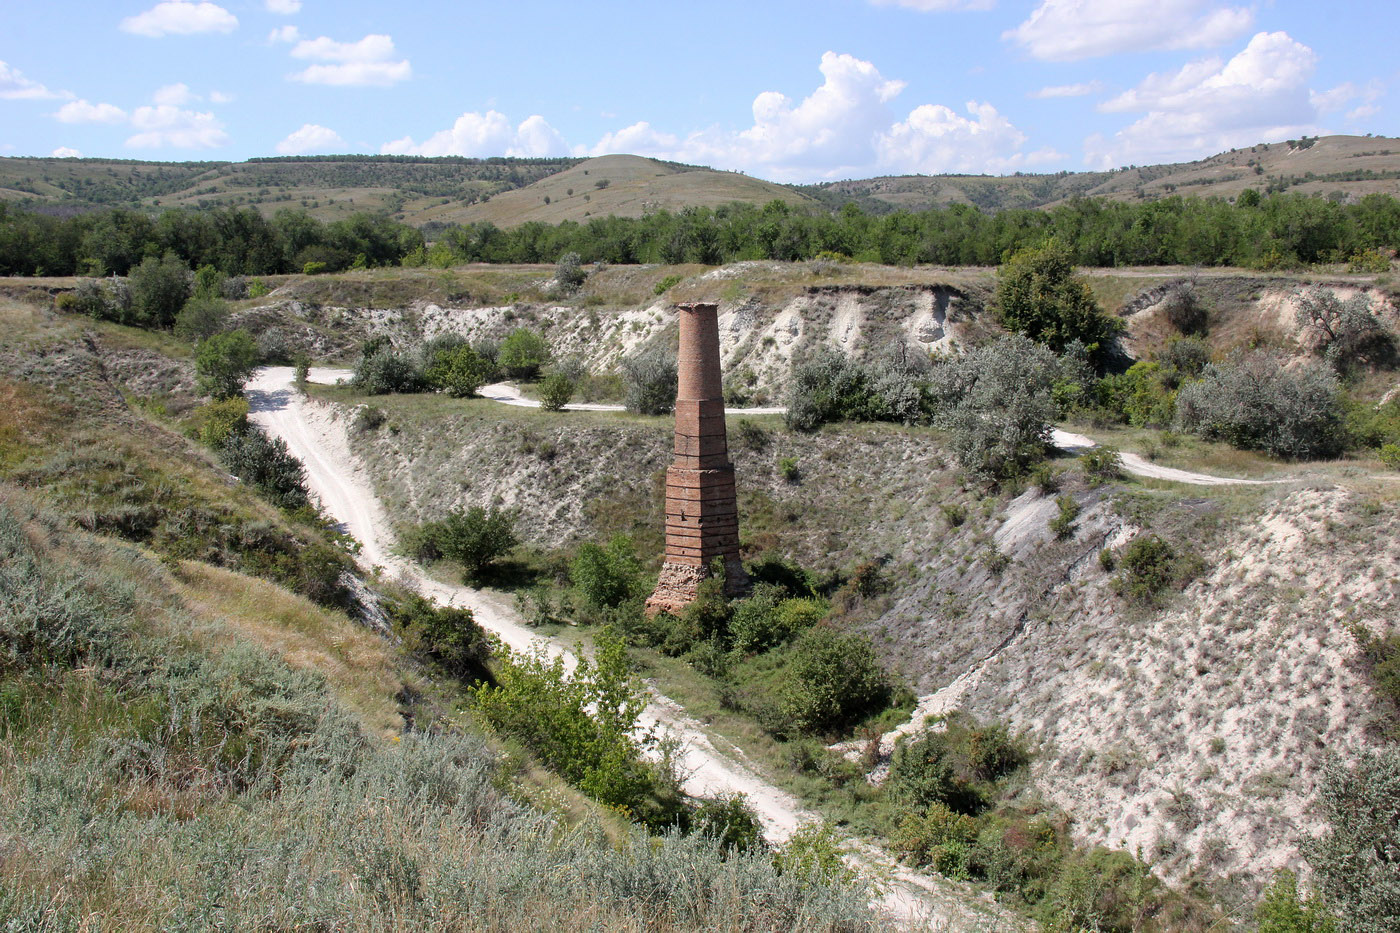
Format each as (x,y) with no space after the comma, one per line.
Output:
(702,515)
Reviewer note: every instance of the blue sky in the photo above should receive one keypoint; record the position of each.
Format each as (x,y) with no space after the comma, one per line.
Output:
(788,91)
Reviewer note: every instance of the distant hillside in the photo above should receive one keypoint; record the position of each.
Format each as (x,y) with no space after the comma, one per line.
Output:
(624,186)
(1332,166)
(509,192)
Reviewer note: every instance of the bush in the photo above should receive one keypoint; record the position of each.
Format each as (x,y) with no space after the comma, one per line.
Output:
(649,379)
(606,576)
(368,418)
(381,371)
(1144,396)
(1283,909)
(788,469)
(555,391)
(315,267)
(1149,567)
(1062,523)
(833,680)
(814,852)
(448,634)
(1345,332)
(1254,402)
(731,822)
(938,837)
(459,370)
(219,420)
(1184,309)
(159,288)
(1101,464)
(202,316)
(522,353)
(1357,871)
(569,273)
(1039,295)
(1390,455)
(266,465)
(473,538)
(997,404)
(666,284)
(224,362)
(830,386)
(957,767)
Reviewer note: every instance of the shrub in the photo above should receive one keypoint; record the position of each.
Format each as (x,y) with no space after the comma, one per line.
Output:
(1044,478)
(381,371)
(1374,261)
(1254,402)
(833,680)
(315,267)
(1039,295)
(522,353)
(1357,872)
(303,370)
(448,634)
(1283,909)
(1101,464)
(1345,332)
(266,465)
(958,766)
(202,316)
(1185,356)
(666,284)
(1062,523)
(754,624)
(650,382)
(830,386)
(1390,455)
(368,418)
(814,852)
(473,538)
(221,419)
(224,362)
(459,370)
(569,273)
(159,288)
(788,469)
(257,288)
(555,391)
(730,821)
(606,576)
(996,403)
(1149,567)
(938,837)
(1143,396)
(1184,309)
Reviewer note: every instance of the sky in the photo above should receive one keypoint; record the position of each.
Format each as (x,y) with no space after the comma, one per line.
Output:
(786,91)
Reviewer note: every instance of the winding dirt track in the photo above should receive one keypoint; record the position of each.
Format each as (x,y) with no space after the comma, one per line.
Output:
(316,435)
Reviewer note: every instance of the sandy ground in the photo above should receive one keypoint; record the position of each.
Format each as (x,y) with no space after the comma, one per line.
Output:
(316,435)
(509,395)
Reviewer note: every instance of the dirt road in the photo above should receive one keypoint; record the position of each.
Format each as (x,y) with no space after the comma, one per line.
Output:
(316,435)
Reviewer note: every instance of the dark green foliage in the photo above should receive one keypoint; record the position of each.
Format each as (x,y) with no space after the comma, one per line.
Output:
(1184,309)
(650,381)
(1150,568)
(1357,860)
(1373,425)
(159,289)
(1284,909)
(1255,402)
(730,822)
(447,634)
(940,838)
(958,766)
(555,391)
(1381,655)
(223,363)
(606,576)
(382,370)
(522,353)
(1144,396)
(266,465)
(202,316)
(1039,295)
(768,618)
(458,370)
(833,680)
(1101,464)
(788,469)
(1062,523)
(666,284)
(218,420)
(473,538)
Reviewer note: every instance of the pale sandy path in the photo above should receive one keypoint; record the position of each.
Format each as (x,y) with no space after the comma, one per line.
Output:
(507,394)
(315,434)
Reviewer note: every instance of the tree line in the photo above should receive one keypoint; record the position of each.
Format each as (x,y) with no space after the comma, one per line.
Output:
(1262,231)
(236,241)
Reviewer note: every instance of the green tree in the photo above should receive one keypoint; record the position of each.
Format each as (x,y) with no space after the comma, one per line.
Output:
(159,289)
(474,538)
(1039,295)
(605,576)
(202,317)
(523,353)
(569,273)
(459,371)
(224,362)
(650,380)
(833,680)
(555,391)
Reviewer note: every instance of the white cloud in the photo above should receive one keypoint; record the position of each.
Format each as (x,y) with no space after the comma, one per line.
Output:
(488,134)
(845,128)
(15,86)
(180,18)
(63,152)
(1067,90)
(164,125)
(80,111)
(1067,30)
(284,34)
(284,7)
(219,97)
(310,138)
(1209,106)
(175,95)
(938,6)
(366,62)
(1362,112)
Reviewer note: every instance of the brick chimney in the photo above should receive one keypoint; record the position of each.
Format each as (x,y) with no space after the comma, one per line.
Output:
(702,515)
